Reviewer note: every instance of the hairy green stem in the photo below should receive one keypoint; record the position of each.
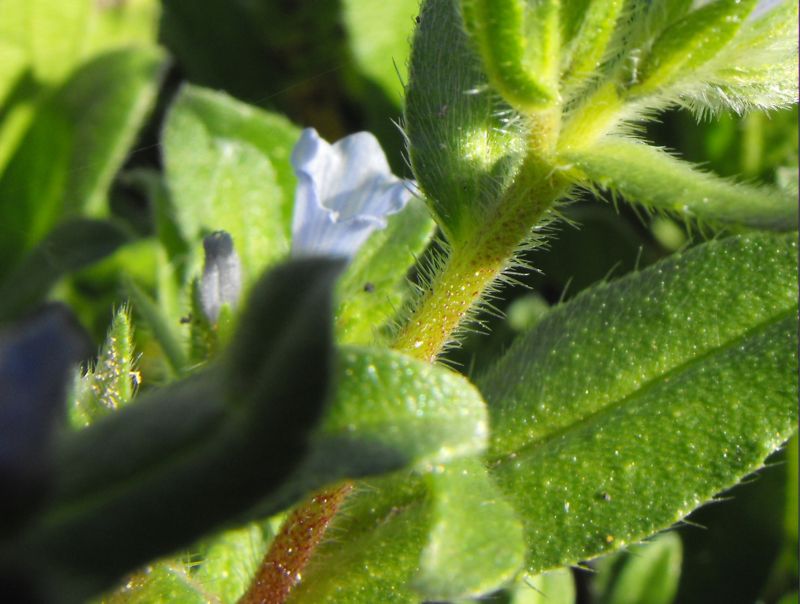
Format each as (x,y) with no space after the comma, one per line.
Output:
(475,264)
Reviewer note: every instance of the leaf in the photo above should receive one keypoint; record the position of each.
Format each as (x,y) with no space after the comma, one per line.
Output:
(757,70)
(392,412)
(74,146)
(689,43)
(377,549)
(231,560)
(463,153)
(58,36)
(405,538)
(475,543)
(375,287)
(651,177)
(646,573)
(586,51)
(519,44)
(646,380)
(228,169)
(163,330)
(71,246)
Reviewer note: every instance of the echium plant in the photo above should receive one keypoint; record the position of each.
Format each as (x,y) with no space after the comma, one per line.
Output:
(311,441)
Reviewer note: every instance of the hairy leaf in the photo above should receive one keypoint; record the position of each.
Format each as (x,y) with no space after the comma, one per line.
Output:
(646,380)
(476,541)
(407,538)
(519,44)
(757,70)
(649,176)
(690,42)
(465,146)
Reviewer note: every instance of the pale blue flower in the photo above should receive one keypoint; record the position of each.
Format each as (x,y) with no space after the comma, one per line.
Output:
(345,191)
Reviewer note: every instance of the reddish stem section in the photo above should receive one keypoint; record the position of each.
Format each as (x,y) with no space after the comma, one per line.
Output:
(291,549)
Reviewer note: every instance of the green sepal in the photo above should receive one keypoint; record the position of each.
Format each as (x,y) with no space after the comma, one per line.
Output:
(646,379)
(689,43)
(464,145)
(390,411)
(519,44)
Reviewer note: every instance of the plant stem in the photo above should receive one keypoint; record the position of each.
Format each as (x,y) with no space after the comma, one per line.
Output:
(475,264)
(292,547)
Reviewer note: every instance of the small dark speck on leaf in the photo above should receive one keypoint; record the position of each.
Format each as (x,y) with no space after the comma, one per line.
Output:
(369,287)
(186,319)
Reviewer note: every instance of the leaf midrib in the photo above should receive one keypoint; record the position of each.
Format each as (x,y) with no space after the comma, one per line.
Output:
(651,383)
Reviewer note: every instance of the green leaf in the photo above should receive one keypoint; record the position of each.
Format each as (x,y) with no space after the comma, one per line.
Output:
(164,331)
(228,169)
(109,384)
(57,36)
(228,436)
(70,246)
(231,560)
(645,573)
(646,380)
(375,286)
(649,176)
(390,412)
(519,43)
(376,552)
(75,145)
(463,151)
(586,51)
(689,43)
(405,538)
(163,582)
(476,542)
(757,70)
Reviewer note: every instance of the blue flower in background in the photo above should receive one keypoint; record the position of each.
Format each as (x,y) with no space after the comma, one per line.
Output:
(345,191)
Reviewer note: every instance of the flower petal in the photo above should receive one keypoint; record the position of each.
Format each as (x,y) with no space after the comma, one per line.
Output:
(344,193)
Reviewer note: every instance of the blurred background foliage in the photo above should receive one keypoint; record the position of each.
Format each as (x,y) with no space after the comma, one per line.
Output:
(84,86)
